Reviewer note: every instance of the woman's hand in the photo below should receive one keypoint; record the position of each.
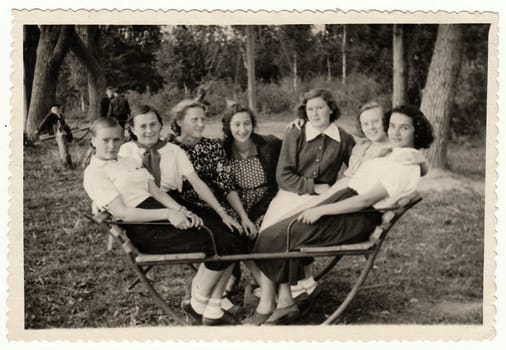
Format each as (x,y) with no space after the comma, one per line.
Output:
(298,123)
(195,220)
(310,216)
(230,222)
(249,227)
(179,220)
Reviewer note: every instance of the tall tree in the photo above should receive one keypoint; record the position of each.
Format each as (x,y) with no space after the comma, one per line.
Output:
(250,54)
(400,79)
(89,56)
(30,40)
(51,50)
(439,90)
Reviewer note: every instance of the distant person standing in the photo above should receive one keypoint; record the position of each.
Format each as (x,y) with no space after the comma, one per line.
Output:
(119,109)
(105,103)
(54,124)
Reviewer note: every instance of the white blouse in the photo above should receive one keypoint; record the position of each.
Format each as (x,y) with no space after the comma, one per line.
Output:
(104,181)
(174,164)
(398,179)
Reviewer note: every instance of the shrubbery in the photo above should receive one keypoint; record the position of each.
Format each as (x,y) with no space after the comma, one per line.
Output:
(272,98)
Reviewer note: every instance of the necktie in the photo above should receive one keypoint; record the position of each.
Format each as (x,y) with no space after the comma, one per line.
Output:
(151,160)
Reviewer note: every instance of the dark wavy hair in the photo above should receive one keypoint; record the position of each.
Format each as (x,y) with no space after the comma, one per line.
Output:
(424,132)
(229,114)
(366,107)
(326,95)
(138,110)
(179,112)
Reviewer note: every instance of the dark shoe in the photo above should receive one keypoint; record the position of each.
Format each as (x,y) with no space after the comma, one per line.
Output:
(303,298)
(234,310)
(305,301)
(194,317)
(284,315)
(226,320)
(255,319)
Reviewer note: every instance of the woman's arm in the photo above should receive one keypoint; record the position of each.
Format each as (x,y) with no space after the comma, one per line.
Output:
(118,209)
(286,175)
(163,197)
(179,211)
(207,196)
(236,204)
(349,205)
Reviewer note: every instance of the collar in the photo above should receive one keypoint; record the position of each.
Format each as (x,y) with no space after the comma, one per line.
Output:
(332,131)
(159,144)
(252,152)
(99,163)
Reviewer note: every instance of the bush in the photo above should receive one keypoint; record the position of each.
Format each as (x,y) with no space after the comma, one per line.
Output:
(273,99)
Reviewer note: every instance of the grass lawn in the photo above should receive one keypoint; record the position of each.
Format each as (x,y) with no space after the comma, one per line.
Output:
(430,269)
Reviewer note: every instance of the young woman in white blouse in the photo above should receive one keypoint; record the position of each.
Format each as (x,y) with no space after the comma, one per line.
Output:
(341,218)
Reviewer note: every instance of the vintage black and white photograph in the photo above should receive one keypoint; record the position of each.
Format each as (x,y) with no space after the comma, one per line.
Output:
(256,175)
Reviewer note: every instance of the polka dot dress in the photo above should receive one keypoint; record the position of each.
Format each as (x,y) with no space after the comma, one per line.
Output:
(250,180)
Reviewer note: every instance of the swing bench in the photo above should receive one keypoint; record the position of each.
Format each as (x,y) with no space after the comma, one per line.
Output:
(142,263)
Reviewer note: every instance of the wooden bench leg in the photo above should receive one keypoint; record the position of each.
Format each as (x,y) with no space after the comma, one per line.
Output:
(137,280)
(353,292)
(154,294)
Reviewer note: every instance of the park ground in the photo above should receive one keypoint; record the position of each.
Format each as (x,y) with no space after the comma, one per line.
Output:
(430,269)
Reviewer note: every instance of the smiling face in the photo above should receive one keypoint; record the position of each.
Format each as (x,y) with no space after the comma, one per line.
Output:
(193,123)
(106,142)
(241,126)
(147,128)
(318,113)
(371,122)
(401,131)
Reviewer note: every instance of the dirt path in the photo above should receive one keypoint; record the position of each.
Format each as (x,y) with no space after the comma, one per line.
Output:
(442,181)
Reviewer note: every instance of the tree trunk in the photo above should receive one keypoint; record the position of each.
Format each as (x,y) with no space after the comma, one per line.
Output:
(343,53)
(51,50)
(329,71)
(294,72)
(30,41)
(439,90)
(250,55)
(89,56)
(400,79)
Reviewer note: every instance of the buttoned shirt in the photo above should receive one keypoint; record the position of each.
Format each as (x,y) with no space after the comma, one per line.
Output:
(105,180)
(310,157)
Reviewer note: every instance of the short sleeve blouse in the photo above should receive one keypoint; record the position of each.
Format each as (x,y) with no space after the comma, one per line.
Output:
(212,165)
(398,179)
(174,164)
(106,180)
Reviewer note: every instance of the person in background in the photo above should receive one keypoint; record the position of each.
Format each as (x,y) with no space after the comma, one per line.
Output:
(54,124)
(105,102)
(120,109)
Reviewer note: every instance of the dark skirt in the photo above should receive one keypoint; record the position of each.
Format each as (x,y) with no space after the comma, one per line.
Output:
(329,230)
(166,239)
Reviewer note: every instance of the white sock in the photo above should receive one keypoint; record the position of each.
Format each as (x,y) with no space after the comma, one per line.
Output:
(226,304)
(309,284)
(198,301)
(230,284)
(213,309)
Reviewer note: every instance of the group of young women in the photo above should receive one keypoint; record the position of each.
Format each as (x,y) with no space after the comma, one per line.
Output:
(249,187)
